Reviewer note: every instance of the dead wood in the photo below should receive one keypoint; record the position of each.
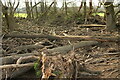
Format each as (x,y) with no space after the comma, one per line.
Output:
(30,36)
(67,48)
(13,70)
(24,47)
(71,37)
(13,58)
(116,53)
(62,49)
(92,38)
(20,71)
(16,65)
(90,25)
(24,59)
(66,66)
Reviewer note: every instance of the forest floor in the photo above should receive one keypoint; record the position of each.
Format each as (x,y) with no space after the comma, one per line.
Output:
(103,57)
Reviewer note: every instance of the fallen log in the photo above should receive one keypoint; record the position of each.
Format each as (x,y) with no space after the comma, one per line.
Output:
(13,58)
(30,36)
(92,38)
(13,70)
(19,48)
(67,48)
(62,49)
(20,71)
(71,37)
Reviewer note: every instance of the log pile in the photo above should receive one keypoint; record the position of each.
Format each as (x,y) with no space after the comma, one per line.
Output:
(15,64)
(9,60)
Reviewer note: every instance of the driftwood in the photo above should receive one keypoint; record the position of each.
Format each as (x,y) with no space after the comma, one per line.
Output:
(93,38)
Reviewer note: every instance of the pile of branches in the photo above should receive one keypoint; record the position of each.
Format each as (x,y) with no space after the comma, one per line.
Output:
(56,60)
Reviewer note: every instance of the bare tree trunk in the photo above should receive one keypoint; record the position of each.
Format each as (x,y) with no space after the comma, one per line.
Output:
(55,7)
(65,7)
(91,7)
(42,6)
(12,7)
(80,6)
(9,16)
(110,15)
(62,8)
(9,19)
(85,8)
(28,10)
(46,5)
(36,10)
(31,9)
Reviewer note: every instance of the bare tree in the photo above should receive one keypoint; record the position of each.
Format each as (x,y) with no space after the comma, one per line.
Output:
(42,6)
(36,10)
(0,19)
(85,8)
(28,9)
(55,6)
(12,7)
(31,9)
(91,7)
(9,16)
(110,15)
(80,6)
